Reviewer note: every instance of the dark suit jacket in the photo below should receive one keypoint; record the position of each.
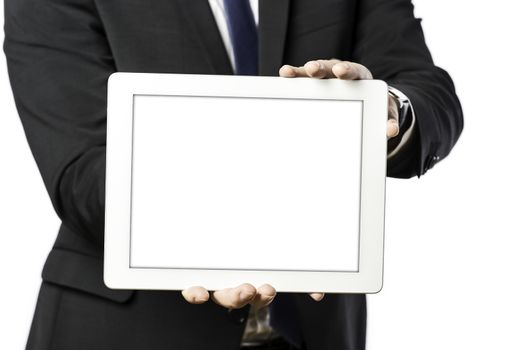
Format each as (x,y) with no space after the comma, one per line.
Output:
(60,54)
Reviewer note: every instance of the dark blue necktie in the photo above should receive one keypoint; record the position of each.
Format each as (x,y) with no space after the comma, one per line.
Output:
(284,318)
(243,34)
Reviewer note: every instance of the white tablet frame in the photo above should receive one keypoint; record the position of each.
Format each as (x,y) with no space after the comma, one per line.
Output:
(123,86)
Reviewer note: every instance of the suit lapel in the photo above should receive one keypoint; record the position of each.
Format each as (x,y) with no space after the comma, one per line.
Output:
(273,22)
(200,17)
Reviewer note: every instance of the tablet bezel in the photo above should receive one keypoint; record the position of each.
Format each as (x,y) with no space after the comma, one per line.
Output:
(121,89)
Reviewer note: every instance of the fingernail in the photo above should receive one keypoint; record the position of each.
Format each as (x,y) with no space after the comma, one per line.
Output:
(315,64)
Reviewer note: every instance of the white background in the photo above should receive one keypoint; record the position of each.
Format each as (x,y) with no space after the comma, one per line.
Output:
(454,240)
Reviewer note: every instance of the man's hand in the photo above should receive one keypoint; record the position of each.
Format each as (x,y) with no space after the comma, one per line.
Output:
(237,297)
(335,68)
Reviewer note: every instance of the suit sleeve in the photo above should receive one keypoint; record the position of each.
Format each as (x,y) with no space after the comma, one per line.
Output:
(389,41)
(59,62)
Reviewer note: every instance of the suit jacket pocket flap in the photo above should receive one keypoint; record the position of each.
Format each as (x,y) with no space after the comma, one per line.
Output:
(81,272)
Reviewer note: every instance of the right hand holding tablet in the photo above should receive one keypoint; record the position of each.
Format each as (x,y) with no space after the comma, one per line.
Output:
(237,297)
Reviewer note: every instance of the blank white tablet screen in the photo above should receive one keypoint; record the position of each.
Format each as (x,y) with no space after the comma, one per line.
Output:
(245,183)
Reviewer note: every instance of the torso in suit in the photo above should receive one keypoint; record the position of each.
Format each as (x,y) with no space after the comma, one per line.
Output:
(60,54)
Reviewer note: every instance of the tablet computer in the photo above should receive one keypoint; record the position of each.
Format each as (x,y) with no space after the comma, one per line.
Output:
(221,180)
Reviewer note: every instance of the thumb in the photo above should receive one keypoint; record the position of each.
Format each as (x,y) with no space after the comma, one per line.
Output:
(317,296)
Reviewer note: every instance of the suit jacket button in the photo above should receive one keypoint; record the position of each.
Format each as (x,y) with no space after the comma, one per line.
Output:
(427,164)
(237,316)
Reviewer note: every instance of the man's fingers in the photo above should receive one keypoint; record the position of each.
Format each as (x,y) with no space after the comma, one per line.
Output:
(234,297)
(392,129)
(320,68)
(351,71)
(312,69)
(196,295)
(237,297)
(288,71)
(317,296)
(332,68)
(265,295)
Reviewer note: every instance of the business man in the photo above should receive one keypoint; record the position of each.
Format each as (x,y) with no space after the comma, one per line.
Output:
(60,54)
